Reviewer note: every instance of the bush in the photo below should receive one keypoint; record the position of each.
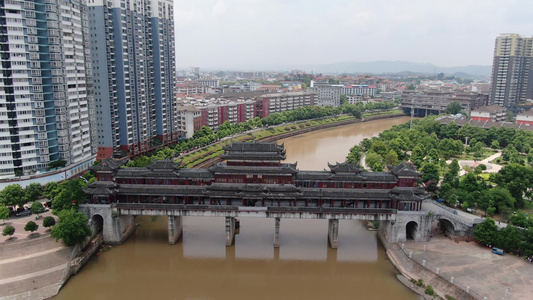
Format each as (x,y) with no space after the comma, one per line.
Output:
(49,221)
(8,230)
(31,226)
(301,125)
(420,282)
(430,291)
(293,127)
(287,128)
(307,124)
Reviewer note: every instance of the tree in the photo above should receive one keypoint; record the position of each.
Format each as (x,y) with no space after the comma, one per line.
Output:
(33,191)
(31,226)
(430,171)
(49,221)
(509,238)
(354,157)
(70,195)
(8,230)
(418,155)
(51,190)
(516,178)
(453,108)
(72,227)
(4,213)
(372,158)
(486,232)
(391,158)
(37,207)
(12,195)
(343,99)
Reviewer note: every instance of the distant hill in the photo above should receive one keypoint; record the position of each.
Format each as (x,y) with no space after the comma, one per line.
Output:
(398,67)
(376,67)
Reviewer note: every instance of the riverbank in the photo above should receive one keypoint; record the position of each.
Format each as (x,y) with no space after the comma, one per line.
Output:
(256,135)
(471,267)
(32,268)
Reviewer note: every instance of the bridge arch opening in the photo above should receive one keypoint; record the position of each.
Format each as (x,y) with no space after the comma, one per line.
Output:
(445,227)
(96,223)
(411,230)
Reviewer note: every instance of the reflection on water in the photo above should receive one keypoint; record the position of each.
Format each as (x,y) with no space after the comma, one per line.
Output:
(200,266)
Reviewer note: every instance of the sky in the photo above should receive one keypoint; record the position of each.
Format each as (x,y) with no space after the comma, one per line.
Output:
(222,34)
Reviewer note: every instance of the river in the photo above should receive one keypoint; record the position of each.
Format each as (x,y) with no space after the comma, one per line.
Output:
(200,266)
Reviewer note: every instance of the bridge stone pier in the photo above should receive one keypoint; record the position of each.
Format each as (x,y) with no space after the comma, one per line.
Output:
(230,231)
(333,233)
(175,229)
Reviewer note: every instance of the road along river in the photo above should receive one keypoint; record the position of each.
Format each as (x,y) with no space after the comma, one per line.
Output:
(200,266)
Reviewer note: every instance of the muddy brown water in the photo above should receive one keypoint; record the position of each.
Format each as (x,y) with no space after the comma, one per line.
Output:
(200,266)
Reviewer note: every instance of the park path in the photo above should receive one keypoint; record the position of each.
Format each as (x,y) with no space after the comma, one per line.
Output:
(491,167)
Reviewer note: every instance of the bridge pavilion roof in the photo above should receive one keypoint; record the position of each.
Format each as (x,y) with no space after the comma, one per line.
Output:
(223,168)
(404,170)
(346,194)
(102,188)
(408,194)
(255,147)
(344,168)
(256,151)
(108,165)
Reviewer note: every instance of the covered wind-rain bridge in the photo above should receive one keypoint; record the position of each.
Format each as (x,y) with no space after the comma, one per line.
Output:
(252,181)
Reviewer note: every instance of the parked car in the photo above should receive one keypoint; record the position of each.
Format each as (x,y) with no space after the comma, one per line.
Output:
(24,213)
(497,251)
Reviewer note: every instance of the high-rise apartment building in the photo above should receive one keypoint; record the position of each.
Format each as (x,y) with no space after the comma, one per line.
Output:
(45,86)
(512,73)
(132,46)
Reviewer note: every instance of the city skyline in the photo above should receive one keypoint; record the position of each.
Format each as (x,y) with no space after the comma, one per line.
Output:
(242,34)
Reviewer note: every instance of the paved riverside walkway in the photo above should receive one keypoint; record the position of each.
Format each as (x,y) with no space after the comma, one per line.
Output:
(31,266)
(474,266)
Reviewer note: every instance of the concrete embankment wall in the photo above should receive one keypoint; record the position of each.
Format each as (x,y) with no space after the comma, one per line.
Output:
(413,270)
(80,258)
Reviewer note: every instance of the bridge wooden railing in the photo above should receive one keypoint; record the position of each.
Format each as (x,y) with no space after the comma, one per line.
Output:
(223,208)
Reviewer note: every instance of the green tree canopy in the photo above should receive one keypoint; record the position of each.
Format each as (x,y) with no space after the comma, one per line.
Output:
(31,226)
(37,207)
(372,158)
(430,171)
(71,194)
(33,191)
(509,238)
(51,190)
(354,157)
(8,230)
(72,227)
(453,108)
(12,195)
(49,221)
(4,213)
(486,232)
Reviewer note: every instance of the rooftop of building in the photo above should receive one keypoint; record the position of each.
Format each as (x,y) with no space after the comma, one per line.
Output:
(490,109)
